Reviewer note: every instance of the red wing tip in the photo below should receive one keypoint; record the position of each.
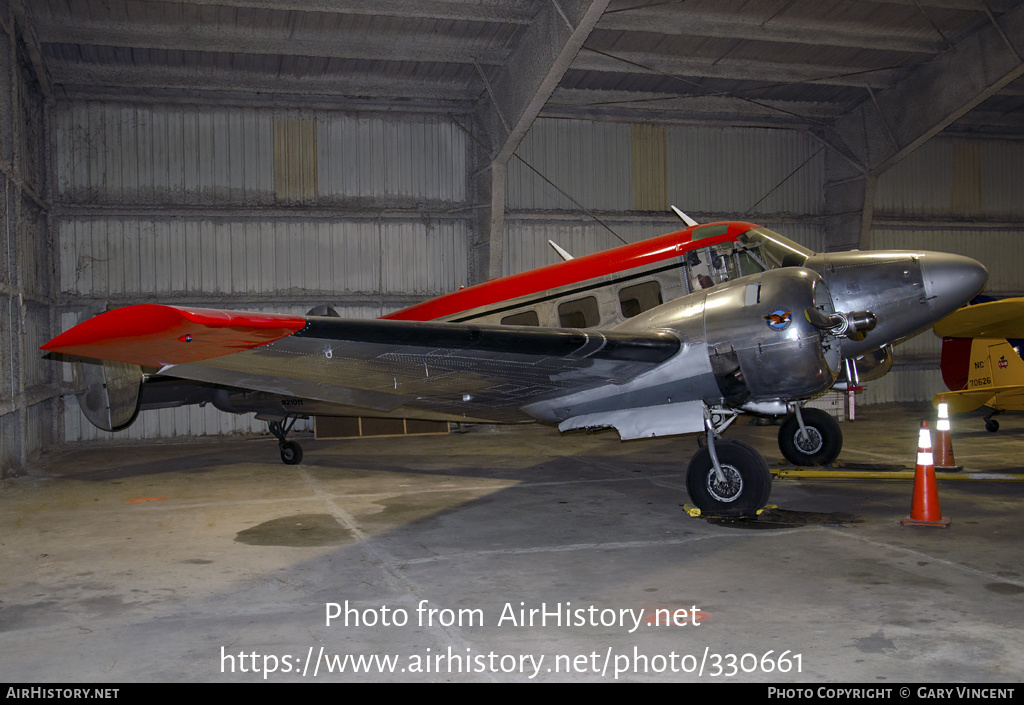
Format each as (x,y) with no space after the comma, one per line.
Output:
(156,335)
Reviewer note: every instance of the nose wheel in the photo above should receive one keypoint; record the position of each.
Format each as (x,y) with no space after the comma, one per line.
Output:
(291,452)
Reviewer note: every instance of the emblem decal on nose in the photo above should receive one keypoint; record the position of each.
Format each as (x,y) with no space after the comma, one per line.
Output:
(779,319)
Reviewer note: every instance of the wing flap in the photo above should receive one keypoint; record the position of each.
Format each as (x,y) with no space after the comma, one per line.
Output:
(153,335)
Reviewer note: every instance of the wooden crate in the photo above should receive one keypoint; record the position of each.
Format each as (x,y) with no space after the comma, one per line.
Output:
(335,427)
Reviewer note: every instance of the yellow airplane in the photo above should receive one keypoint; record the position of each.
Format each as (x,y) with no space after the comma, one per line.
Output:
(981,358)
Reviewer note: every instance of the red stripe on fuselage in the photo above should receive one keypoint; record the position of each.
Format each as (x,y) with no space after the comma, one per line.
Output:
(554,276)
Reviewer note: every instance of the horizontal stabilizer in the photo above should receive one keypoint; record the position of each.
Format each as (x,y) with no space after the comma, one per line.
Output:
(1000,398)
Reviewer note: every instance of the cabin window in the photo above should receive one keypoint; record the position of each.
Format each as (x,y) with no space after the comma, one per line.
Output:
(525,318)
(636,299)
(581,313)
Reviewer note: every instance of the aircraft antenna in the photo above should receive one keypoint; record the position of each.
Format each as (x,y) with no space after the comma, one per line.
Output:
(561,253)
(690,222)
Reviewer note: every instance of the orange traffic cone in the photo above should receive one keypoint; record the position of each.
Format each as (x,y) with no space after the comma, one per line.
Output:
(924,510)
(944,459)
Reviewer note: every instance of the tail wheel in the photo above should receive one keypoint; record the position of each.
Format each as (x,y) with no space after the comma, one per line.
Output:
(746,485)
(820,446)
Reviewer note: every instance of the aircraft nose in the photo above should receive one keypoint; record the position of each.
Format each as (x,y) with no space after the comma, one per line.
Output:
(950,281)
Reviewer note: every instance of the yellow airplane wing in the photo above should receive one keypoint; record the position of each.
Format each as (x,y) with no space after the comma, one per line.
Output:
(962,402)
(995,319)
(999,398)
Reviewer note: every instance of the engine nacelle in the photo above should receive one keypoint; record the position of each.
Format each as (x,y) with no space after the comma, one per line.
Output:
(108,393)
(761,341)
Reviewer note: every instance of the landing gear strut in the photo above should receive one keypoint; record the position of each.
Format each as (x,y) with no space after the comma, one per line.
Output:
(291,452)
(728,477)
(810,437)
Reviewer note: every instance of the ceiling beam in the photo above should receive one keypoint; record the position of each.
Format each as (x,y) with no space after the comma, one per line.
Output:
(342,43)
(514,96)
(760,25)
(891,124)
(81,79)
(732,69)
(519,88)
(968,5)
(675,109)
(33,48)
(500,11)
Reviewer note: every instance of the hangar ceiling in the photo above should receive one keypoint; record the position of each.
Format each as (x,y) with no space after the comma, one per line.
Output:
(870,80)
(803,63)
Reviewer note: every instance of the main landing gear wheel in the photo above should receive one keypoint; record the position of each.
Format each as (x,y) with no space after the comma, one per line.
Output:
(746,486)
(291,453)
(822,444)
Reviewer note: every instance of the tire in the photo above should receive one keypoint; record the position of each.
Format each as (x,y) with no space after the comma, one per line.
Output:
(749,480)
(991,425)
(826,439)
(291,453)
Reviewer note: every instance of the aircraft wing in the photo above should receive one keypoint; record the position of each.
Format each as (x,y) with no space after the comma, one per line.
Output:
(1001,398)
(475,372)
(994,319)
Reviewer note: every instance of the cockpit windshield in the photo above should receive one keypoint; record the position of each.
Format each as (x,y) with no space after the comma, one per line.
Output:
(754,251)
(773,249)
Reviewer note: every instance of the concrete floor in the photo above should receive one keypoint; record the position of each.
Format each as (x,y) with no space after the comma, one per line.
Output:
(180,562)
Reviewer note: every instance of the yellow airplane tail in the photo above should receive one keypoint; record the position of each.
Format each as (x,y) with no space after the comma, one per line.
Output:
(981,357)
(982,372)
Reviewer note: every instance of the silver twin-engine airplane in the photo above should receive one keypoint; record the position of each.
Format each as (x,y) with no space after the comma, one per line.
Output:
(673,335)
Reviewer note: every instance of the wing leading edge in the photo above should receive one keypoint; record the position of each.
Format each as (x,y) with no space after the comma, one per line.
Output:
(993,319)
(461,370)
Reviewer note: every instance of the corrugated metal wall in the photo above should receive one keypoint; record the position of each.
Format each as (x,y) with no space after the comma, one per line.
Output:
(253,209)
(27,389)
(127,259)
(160,155)
(952,195)
(956,178)
(628,175)
(708,170)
